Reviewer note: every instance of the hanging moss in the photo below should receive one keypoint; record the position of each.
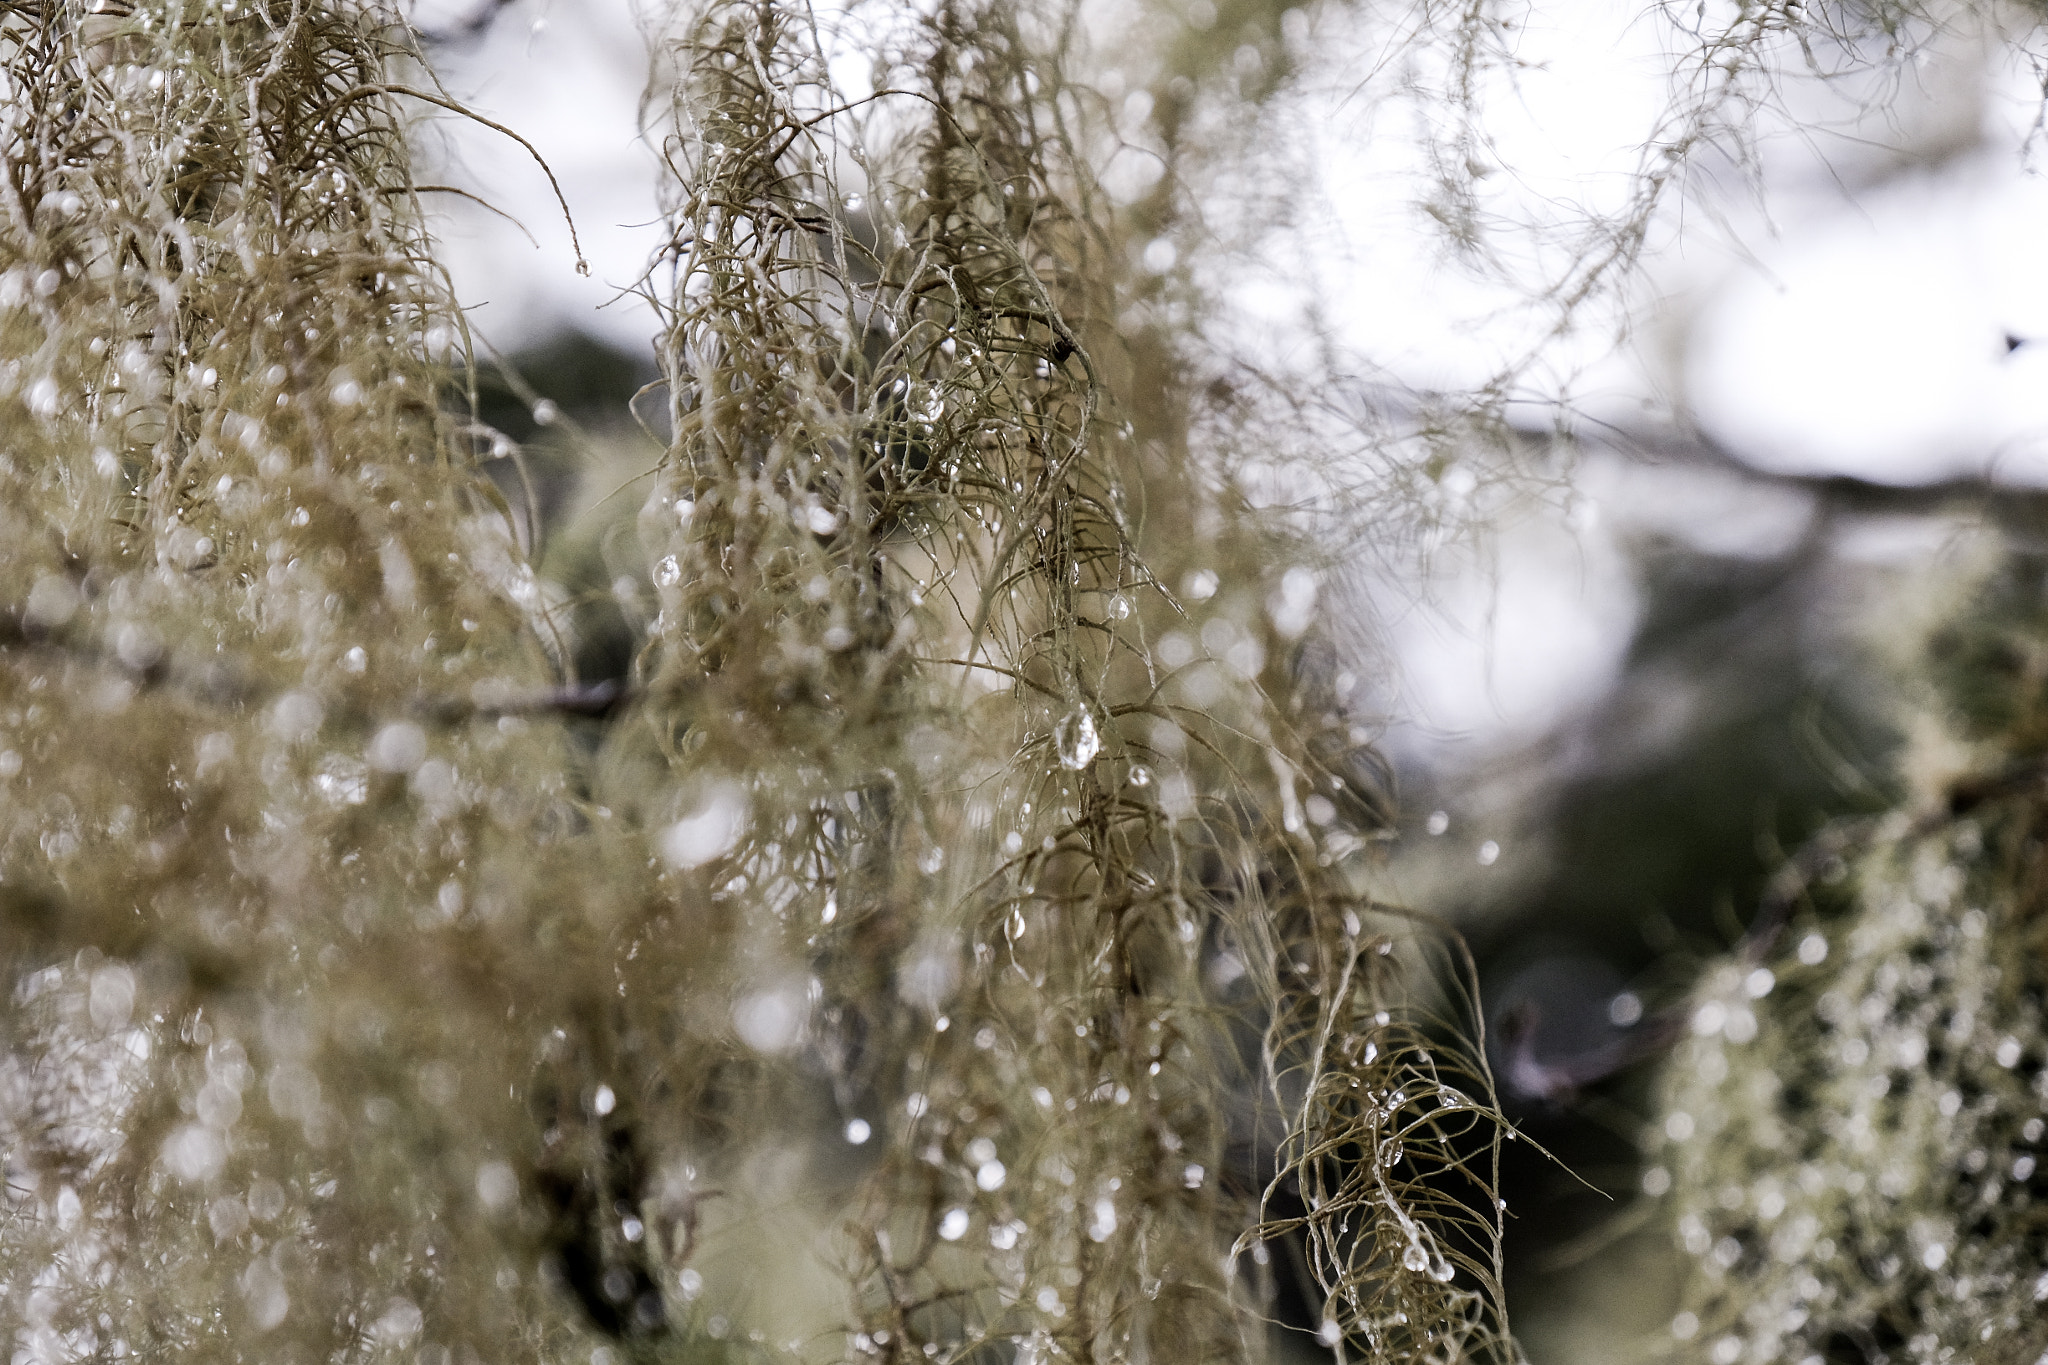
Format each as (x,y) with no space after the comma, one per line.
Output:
(958,900)
(272,864)
(919,533)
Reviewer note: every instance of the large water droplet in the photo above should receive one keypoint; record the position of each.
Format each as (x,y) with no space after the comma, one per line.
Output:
(709,832)
(1076,739)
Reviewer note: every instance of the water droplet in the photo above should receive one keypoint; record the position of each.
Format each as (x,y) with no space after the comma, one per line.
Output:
(1141,776)
(604,1101)
(1439,821)
(342,781)
(854,203)
(398,748)
(1489,853)
(709,832)
(138,647)
(668,572)
(954,1225)
(1120,607)
(111,997)
(52,601)
(858,1131)
(1076,740)
(264,1292)
(400,1323)
(769,1021)
(194,1153)
(496,1186)
(1415,1258)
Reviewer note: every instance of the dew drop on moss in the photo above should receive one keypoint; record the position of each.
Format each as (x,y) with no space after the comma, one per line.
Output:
(1076,739)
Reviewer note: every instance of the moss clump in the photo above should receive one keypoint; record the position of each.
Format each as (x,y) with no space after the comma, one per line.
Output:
(1853,1132)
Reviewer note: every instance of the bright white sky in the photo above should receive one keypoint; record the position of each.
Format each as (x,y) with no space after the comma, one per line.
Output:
(1857,328)
(566,75)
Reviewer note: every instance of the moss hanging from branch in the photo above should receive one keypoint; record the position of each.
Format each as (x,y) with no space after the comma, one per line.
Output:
(920,537)
(970,859)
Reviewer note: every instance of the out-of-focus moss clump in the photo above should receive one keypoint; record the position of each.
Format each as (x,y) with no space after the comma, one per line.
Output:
(1852,1134)
(274,874)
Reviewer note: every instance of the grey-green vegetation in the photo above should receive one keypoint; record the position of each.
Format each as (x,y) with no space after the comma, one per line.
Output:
(1851,1131)
(951,940)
